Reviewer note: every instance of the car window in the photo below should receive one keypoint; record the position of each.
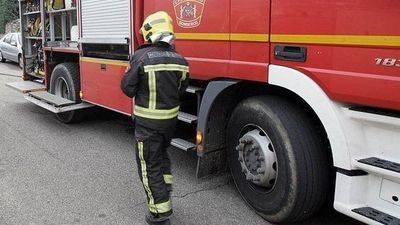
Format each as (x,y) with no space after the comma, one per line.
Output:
(13,38)
(4,37)
(7,39)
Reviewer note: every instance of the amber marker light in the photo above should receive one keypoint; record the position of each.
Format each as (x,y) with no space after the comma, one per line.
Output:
(81,94)
(199,142)
(199,137)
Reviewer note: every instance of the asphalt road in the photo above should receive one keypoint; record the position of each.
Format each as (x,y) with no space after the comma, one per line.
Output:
(52,173)
(10,69)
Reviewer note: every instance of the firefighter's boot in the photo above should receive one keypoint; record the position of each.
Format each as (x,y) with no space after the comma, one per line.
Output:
(156,220)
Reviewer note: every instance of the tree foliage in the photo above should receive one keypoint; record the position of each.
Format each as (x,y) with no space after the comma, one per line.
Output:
(8,12)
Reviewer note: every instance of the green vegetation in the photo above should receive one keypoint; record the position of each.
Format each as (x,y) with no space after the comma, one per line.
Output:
(8,12)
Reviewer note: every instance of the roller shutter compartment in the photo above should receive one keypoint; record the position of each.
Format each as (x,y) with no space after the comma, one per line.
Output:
(105,21)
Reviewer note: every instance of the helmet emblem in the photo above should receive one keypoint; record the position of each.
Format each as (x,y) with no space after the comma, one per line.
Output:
(189,12)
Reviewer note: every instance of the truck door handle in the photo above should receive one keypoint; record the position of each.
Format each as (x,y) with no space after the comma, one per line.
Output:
(291,53)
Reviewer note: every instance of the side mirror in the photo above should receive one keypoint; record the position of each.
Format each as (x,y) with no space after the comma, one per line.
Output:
(13,43)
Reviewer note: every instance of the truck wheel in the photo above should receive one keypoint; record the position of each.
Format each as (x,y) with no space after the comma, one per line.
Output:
(65,82)
(277,161)
(2,59)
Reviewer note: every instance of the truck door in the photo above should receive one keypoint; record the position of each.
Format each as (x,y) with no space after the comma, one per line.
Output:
(202,29)
(352,47)
(250,22)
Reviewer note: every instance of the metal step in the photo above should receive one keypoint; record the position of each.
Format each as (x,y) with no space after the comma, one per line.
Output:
(382,112)
(377,215)
(381,163)
(26,86)
(54,103)
(194,90)
(187,118)
(183,144)
(51,99)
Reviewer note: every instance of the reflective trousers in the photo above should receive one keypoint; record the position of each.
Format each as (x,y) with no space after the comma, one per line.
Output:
(154,167)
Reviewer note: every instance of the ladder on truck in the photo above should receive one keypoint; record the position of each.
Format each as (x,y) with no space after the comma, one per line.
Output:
(187,143)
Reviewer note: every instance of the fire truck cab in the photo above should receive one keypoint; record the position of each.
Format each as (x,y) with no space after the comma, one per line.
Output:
(300,99)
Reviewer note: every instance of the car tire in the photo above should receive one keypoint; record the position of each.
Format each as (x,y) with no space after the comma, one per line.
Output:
(65,82)
(20,62)
(298,186)
(2,59)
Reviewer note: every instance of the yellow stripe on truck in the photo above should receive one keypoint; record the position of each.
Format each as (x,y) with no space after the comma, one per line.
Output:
(203,36)
(105,61)
(357,40)
(250,37)
(338,39)
(223,37)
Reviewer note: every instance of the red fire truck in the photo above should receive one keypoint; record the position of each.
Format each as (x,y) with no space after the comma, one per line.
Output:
(300,99)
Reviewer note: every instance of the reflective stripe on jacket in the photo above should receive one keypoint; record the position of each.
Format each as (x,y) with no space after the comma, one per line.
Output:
(156,78)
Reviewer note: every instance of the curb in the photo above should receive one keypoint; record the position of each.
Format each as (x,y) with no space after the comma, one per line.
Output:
(9,75)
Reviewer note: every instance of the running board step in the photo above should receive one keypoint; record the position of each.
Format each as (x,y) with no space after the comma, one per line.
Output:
(377,215)
(187,118)
(193,89)
(376,111)
(54,103)
(26,86)
(183,144)
(381,163)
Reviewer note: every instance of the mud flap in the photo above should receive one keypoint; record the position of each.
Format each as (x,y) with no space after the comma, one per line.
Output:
(211,163)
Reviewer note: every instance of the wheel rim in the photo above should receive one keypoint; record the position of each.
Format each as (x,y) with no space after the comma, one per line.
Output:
(257,157)
(1,56)
(61,88)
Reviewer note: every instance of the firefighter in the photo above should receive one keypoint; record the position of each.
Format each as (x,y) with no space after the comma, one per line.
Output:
(156,78)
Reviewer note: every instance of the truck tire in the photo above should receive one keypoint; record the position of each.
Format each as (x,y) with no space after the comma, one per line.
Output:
(65,82)
(277,160)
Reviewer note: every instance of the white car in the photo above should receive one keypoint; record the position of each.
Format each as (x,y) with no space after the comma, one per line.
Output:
(11,48)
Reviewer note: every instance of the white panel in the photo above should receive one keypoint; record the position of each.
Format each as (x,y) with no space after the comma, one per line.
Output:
(353,135)
(364,191)
(390,192)
(327,110)
(105,19)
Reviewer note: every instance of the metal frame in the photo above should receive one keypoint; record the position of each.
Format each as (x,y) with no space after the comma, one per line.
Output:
(104,40)
(66,15)
(27,41)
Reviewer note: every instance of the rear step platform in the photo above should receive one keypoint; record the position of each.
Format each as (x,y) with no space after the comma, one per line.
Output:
(377,215)
(183,144)
(381,163)
(51,99)
(187,118)
(54,103)
(193,89)
(26,86)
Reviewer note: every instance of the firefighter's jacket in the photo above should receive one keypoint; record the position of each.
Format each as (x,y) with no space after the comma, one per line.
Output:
(157,76)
